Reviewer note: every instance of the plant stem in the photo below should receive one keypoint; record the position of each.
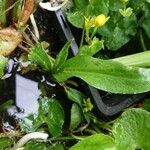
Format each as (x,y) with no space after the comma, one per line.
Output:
(90,131)
(34,24)
(142,42)
(82,38)
(137,60)
(103,125)
(77,137)
(96,128)
(72,137)
(94,32)
(87,38)
(62,138)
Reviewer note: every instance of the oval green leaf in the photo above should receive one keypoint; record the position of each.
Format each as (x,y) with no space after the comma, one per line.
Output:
(76,116)
(95,142)
(131,131)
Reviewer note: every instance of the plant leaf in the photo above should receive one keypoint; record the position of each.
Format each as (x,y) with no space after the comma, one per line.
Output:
(106,75)
(3,4)
(74,95)
(76,116)
(127,12)
(28,124)
(146,104)
(35,145)
(62,56)
(39,56)
(95,142)
(50,113)
(17,9)
(80,4)
(4,106)
(116,38)
(5,142)
(131,131)
(91,49)
(115,5)
(118,30)
(9,40)
(3,62)
(55,118)
(57,147)
(91,8)
(146,24)
(135,60)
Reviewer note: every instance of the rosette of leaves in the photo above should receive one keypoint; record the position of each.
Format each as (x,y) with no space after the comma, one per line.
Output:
(107,75)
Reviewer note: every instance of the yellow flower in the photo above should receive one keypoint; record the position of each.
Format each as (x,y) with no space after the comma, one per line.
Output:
(89,22)
(101,20)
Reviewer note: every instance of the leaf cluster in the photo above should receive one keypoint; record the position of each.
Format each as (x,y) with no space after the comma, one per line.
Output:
(107,75)
(126,18)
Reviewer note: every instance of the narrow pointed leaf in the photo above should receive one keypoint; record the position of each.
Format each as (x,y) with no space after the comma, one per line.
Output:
(17,9)
(106,75)
(62,56)
(3,4)
(55,118)
(75,95)
(76,116)
(39,56)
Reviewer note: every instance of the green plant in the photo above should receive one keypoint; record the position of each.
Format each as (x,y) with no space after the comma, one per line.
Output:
(127,18)
(93,70)
(129,131)
(105,23)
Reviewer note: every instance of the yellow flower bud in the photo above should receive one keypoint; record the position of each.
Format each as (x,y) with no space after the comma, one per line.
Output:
(101,20)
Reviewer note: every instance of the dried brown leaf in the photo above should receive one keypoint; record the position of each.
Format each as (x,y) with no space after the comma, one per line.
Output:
(9,40)
(27,11)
